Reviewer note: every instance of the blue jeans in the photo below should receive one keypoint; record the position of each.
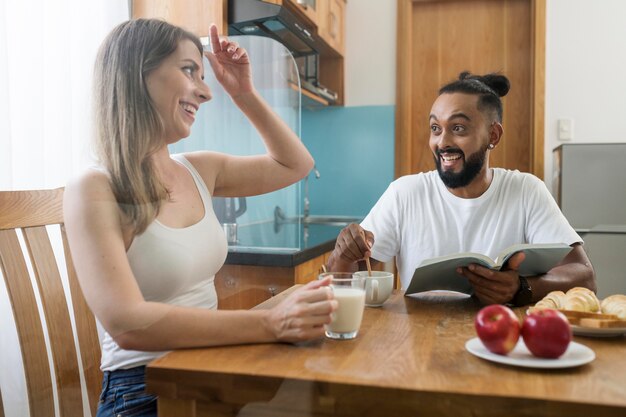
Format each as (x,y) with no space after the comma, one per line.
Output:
(124,394)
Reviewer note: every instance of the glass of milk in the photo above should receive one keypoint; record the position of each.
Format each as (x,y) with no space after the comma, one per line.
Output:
(349,291)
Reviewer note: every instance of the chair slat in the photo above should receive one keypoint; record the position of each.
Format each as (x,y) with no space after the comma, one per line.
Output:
(32,211)
(54,303)
(29,327)
(87,332)
(1,405)
(30,208)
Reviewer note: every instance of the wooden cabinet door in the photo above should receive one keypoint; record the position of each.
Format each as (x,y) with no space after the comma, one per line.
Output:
(336,25)
(309,270)
(331,23)
(437,40)
(245,286)
(194,15)
(304,9)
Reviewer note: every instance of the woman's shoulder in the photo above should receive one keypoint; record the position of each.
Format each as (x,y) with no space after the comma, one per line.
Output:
(208,164)
(92,181)
(202,158)
(89,194)
(90,206)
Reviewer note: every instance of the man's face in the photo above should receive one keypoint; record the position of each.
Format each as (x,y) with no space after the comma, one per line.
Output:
(459,137)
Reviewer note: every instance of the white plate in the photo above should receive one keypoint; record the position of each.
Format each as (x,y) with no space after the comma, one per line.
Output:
(593,331)
(575,355)
(598,332)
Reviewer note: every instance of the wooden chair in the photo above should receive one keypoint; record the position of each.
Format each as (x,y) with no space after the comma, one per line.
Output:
(28,213)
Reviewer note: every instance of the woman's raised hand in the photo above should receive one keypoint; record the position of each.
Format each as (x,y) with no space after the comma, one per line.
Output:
(230,64)
(302,315)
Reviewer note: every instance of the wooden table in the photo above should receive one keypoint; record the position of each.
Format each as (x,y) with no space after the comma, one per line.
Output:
(409,359)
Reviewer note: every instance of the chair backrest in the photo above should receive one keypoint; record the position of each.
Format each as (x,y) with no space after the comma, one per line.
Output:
(28,213)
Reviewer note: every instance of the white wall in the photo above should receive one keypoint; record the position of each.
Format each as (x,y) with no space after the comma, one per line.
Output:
(585,72)
(370,60)
(585,65)
(47,50)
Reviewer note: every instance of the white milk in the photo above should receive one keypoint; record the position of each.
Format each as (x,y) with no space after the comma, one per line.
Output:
(350,310)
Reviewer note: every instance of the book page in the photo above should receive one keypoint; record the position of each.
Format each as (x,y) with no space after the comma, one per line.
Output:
(482,259)
(540,257)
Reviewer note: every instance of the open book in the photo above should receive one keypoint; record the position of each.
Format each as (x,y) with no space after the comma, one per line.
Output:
(440,273)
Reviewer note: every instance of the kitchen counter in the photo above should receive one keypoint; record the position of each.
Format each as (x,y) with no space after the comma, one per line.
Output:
(285,245)
(272,256)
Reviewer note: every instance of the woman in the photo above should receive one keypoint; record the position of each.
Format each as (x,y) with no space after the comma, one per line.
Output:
(145,241)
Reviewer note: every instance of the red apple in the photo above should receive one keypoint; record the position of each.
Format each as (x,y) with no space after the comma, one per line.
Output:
(546,333)
(498,328)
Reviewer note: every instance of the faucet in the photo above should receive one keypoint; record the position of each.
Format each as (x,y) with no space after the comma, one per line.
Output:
(307,202)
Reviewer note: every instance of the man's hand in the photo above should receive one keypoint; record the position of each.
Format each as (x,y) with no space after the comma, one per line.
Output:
(494,287)
(353,244)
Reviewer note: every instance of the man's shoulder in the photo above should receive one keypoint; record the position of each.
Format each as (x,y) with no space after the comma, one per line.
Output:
(416,181)
(510,177)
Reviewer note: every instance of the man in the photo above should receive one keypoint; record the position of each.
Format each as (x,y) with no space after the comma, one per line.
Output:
(466,206)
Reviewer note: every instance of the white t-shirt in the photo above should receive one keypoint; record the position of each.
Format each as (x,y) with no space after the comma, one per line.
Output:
(417,218)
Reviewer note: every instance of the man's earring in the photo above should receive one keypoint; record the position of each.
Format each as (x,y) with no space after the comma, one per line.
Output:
(491,146)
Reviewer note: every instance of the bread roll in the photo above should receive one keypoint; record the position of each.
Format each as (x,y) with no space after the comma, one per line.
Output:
(615,304)
(581,299)
(553,299)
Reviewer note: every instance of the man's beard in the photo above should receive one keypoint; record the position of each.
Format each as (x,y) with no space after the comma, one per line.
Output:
(473,164)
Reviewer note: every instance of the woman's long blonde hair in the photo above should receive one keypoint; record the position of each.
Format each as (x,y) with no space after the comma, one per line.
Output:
(128,129)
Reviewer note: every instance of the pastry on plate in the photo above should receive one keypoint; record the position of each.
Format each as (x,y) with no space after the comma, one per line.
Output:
(581,299)
(615,304)
(553,299)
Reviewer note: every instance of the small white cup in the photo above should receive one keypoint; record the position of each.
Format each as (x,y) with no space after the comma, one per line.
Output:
(378,287)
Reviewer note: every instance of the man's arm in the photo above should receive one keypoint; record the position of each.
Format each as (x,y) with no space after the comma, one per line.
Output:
(575,270)
(544,223)
(498,287)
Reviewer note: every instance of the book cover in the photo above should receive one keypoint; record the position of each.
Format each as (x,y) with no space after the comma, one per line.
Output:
(440,273)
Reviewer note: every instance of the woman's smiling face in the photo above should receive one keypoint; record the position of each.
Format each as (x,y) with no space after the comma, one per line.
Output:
(177,90)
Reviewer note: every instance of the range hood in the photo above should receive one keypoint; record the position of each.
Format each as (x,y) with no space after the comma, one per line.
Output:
(256,17)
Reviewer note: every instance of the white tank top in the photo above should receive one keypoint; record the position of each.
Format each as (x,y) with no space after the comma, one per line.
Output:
(175,266)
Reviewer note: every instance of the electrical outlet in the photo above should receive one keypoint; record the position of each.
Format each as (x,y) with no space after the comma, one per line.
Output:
(566,129)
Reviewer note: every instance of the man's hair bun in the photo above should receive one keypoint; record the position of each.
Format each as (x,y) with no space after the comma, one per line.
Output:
(489,88)
(498,83)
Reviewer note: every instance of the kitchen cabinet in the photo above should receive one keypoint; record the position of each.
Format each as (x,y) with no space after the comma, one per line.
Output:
(309,270)
(326,18)
(194,15)
(307,8)
(331,23)
(244,286)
